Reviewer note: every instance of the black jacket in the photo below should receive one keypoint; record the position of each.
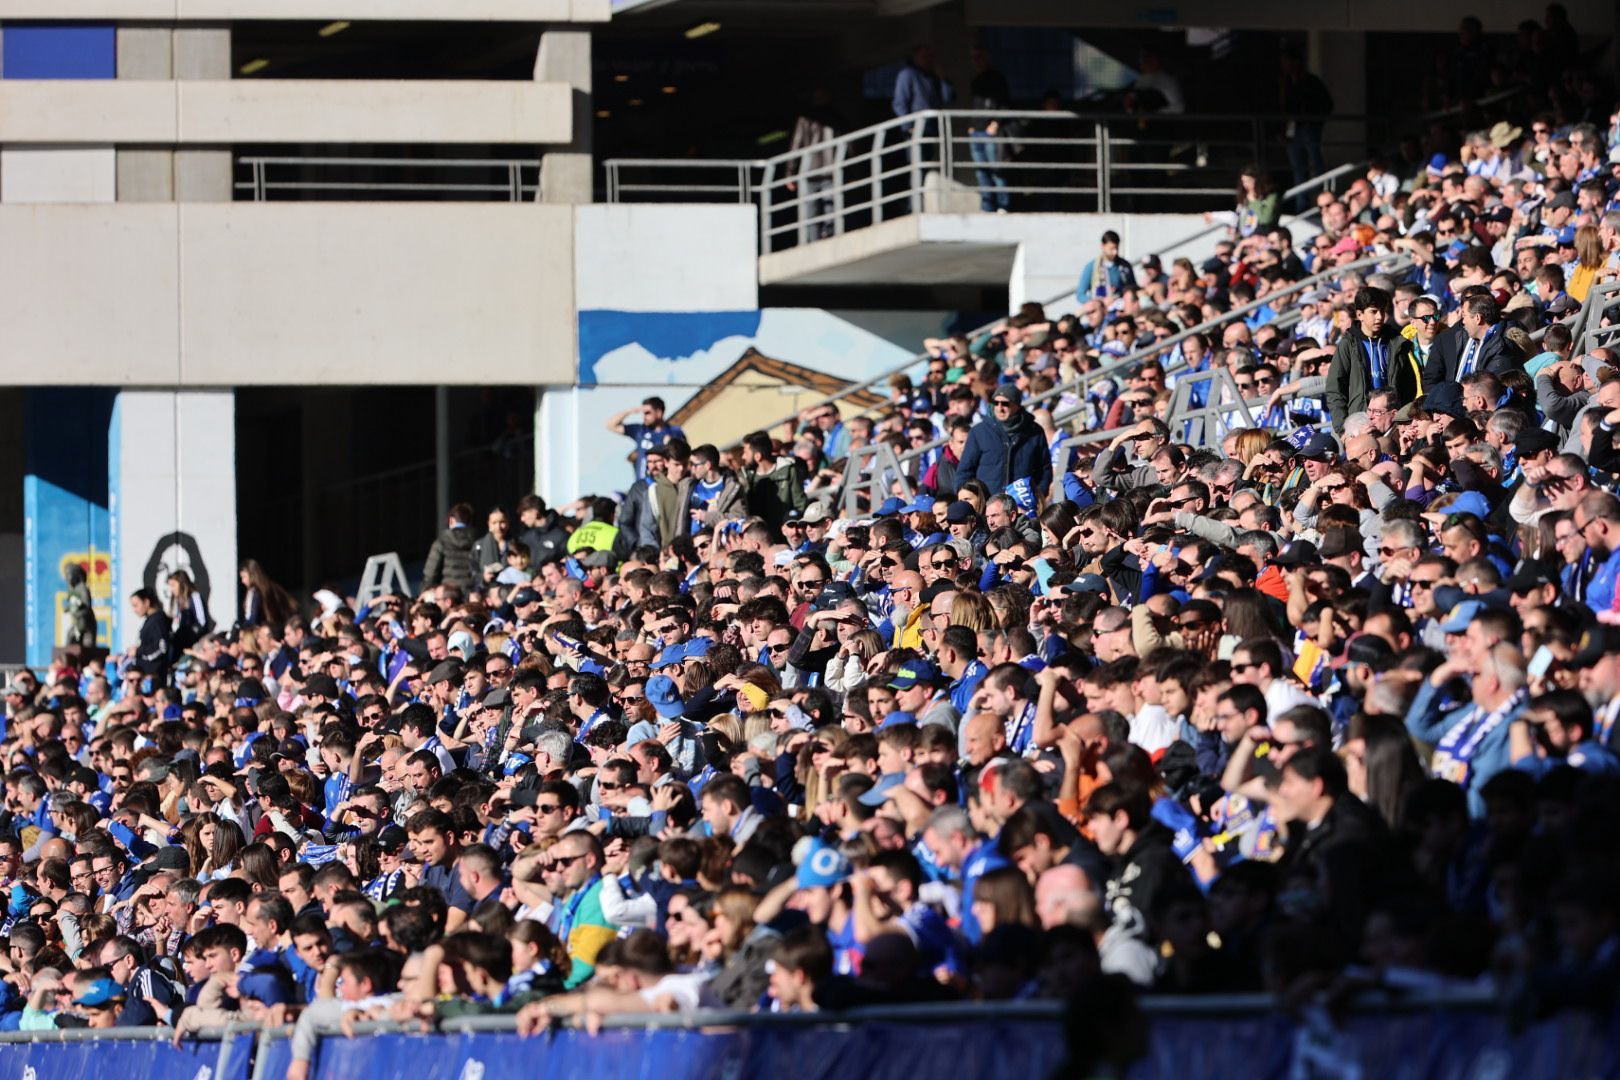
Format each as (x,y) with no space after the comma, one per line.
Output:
(1348,853)
(1142,875)
(450,561)
(547,541)
(997,454)
(1497,355)
(152,650)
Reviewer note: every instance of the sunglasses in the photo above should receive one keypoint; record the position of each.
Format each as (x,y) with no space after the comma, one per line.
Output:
(562,862)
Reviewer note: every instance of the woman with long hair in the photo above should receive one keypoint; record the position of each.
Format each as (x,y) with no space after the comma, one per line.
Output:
(540,961)
(1589,258)
(264,603)
(1381,764)
(1003,898)
(187,612)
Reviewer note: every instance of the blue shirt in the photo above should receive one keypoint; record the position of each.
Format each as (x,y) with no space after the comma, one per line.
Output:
(979,862)
(647,438)
(962,689)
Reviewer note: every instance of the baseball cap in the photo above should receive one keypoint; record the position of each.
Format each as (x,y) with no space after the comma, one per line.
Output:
(1530,576)
(898,718)
(913,672)
(1008,392)
(1340,540)
(320,685)
(1320,447)
(922,504)
(1534,440)
(1299,553)
(878,793)
(524,597)
(822,866)
(832,594)
(1564,200)
(1595,644)
(100,992)
(670,656)
(1460,616)
(891,506)
(698,648)
(1470,502)
(1089,583)
(816,513)
(665,696)
(391,839)
(958,512)
(264,986)
(445,671)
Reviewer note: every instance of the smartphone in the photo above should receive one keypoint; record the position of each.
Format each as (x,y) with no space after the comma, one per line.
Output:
(1540,662)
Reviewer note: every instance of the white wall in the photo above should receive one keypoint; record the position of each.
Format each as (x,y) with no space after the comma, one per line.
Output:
(132,111)
(665,258)
(262,294)
(172,469)
(440,10)
(58,175)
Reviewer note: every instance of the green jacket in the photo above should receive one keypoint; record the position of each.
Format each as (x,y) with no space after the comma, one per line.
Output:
(1349,378)
(773,495)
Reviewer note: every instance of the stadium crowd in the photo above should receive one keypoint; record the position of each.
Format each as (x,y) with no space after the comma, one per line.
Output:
(1331,703)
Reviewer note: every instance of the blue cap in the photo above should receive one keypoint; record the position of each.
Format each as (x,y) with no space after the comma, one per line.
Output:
(922,504)
(891,506)
(100,992)
(823,866)
(1089,583)
(913,672)
(698,648)
(665,696)
(515,762)
(896,719)
(1565,236)
(1461,615)
(878,793)
(671,656)
(265,987)
(1470,502)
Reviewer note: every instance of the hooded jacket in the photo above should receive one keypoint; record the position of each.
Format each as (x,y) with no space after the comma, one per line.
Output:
(449,561)
(998,453)
(772,495)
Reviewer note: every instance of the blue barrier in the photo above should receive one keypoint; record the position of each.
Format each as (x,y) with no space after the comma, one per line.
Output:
(1188,1040)
(876,1051)
(147,1059)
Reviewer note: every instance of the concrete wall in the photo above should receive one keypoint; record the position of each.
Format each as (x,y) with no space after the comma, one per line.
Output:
(172,499)
(394,10)
(287,294)
(284,111)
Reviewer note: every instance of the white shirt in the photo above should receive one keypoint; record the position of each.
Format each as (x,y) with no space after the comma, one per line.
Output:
(1153,728)
(1285,694)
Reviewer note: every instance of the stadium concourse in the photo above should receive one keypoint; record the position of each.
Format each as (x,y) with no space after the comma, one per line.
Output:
(1321,695)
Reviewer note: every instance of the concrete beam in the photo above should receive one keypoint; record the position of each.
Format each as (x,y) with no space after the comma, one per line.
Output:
(132,112)
(287,294)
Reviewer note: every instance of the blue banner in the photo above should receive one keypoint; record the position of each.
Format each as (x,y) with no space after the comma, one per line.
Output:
(149,1059)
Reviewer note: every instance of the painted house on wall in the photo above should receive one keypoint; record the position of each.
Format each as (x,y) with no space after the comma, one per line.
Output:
(756,389)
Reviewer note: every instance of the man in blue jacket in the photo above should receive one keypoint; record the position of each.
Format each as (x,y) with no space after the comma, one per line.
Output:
(1007,446)
(1471,742)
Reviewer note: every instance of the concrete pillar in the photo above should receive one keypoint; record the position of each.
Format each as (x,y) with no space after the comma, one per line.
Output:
(171,479)
(567,173)
(161,53)
(1339,59)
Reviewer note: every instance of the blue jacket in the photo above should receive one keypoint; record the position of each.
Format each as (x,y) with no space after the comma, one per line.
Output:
(996,456)
(1428,721)
(916,90)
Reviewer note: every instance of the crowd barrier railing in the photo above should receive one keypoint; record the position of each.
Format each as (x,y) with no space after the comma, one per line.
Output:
(1462,1032)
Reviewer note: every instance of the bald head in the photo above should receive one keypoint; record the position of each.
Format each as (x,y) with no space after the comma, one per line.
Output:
(1064,896)
(983,737)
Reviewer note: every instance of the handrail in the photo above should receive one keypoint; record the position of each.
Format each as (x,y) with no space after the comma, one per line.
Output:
(513,186)
(920,358)
(1391,261)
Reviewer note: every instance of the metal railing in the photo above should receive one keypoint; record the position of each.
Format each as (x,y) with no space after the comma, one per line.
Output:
(1325,181)
(1158,349)
(1043,160)
(496,179)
